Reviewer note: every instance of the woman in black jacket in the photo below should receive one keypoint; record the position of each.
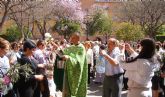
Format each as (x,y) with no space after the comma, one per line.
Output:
(26,87)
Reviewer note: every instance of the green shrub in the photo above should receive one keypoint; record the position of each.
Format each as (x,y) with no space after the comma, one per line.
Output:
(100,24)
(129,32)
(13,34)
(66,27)
(160,38)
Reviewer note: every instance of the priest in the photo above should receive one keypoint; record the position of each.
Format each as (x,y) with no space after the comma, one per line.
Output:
(76,69)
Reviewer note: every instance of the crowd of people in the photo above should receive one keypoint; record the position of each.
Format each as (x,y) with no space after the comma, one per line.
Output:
(69,66)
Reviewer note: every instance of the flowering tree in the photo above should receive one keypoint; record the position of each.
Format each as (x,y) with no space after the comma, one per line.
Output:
(68,9)
(23,17)
(6,7)
(27,14)
(69,16)
(42,15)
(56,10)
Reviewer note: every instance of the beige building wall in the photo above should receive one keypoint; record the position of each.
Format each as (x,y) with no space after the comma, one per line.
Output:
(110,6)
(86,4)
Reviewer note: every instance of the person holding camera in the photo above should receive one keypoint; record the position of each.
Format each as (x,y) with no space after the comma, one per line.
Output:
(113,81)
(140,69)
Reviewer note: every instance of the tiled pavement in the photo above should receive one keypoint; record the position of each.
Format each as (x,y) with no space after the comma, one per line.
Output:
(95,90)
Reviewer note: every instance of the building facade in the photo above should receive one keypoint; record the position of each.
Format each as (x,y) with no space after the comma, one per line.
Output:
(109,5)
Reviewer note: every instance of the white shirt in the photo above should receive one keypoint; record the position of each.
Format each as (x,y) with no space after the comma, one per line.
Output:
(90,56)
(4,65)
(96,50)
(140,71)
(110,69)
(160,53)
(13,56)
(133,55)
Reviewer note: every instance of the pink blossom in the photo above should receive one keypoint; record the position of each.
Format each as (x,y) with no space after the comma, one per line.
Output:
(70,9)
(6,80)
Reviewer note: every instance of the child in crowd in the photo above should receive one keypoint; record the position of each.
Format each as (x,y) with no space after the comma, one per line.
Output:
(100,67)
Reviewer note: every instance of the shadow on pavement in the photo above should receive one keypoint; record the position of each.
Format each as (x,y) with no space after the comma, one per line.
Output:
(95,90)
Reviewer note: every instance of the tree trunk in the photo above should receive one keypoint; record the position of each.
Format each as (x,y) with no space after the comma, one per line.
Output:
(44,30)
(65,35)
(22,31)
(32,31)
(43,36)
(3,19)
(106,38)
(40,28)
(87,33)
(153,35)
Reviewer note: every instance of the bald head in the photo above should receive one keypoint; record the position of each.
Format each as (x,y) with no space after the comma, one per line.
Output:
(75,38)
(112,43)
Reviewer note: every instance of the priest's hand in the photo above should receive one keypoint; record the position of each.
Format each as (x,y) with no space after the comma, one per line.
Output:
(41,65)
(39,77)
(65,57)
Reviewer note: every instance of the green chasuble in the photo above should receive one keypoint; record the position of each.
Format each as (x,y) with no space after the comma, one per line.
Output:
(75,80)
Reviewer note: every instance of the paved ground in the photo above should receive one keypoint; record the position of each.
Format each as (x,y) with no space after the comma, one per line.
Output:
(95,90)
